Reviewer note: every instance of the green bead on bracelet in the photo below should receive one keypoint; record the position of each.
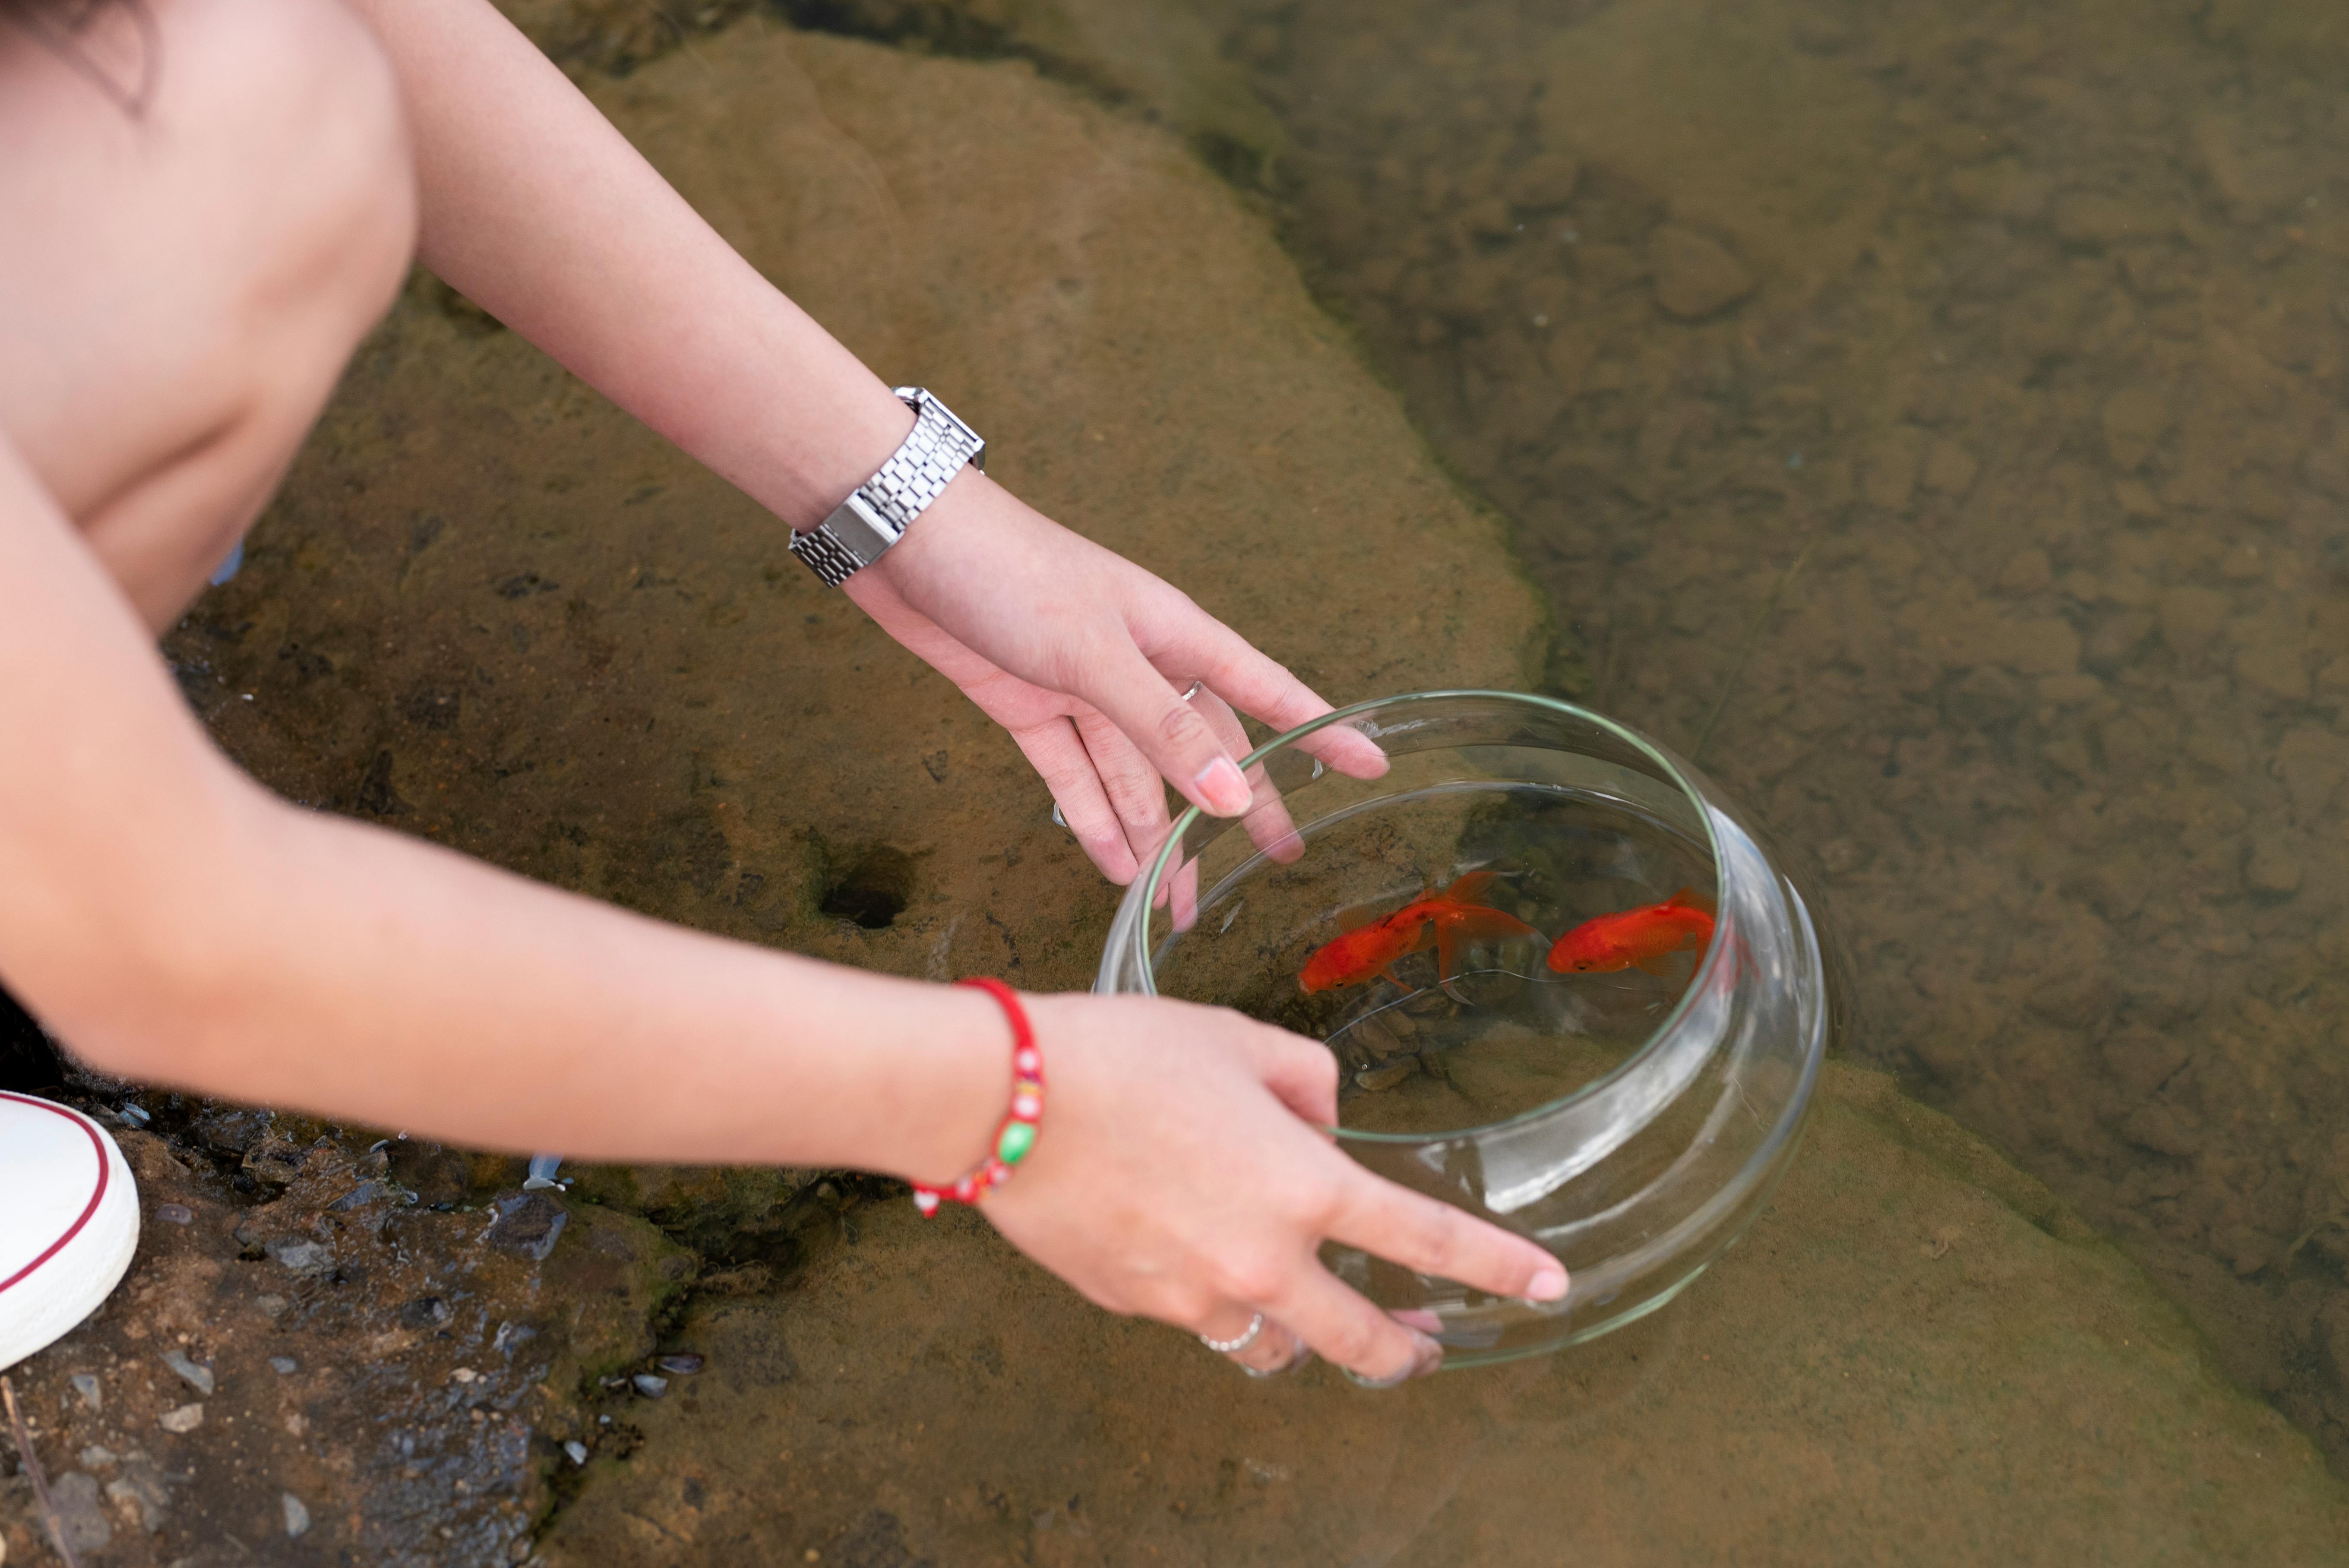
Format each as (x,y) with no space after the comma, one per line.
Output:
(1017,1134)
(1017,1139)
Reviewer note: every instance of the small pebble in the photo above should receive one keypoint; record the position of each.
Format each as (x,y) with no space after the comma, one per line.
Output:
(577,1451)
(285,1365)
(1378,1079)
(680,1364)
(96,1457)
(297,1517)
(270,1305)
(1375,1036)
(175,1213)
(462,1375)
(301,1254)
(195,1374)
(86,1387)
(183,1420)
(650,1387)
(136,1115)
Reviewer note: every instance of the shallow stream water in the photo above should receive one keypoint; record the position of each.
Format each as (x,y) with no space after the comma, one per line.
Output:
(1931,417)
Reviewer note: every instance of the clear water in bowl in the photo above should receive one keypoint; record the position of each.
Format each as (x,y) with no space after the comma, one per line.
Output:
(1631,1122)
(1506,1035)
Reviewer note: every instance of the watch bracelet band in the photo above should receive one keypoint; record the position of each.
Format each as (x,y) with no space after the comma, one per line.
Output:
(877,513)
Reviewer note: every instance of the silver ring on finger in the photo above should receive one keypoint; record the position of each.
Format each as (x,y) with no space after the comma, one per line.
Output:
(1193,689)
(1234,1346)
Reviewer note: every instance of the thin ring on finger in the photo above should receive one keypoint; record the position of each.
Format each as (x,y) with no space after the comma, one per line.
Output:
(1264,1347)
(1235,1346)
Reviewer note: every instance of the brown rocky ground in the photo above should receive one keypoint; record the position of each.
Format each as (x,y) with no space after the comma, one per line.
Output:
(490,610)
(319,1364)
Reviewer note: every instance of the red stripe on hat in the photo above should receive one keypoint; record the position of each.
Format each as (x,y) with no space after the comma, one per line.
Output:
(97,1146)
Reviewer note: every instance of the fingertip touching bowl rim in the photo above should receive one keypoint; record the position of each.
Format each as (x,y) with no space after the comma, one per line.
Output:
(1679,774)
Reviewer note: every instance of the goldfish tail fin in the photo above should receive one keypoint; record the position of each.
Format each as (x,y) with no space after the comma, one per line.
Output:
(1470,886)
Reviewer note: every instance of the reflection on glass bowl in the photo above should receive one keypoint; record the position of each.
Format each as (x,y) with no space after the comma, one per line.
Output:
(1633,1120)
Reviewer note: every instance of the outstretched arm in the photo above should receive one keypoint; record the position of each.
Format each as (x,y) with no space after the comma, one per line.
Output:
(175,923)
(541,211)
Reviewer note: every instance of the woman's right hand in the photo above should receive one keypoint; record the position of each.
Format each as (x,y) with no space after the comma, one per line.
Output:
(1183,1173)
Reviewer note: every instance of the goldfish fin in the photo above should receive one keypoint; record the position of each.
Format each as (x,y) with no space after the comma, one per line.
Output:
(1447,952)
(1687,899)
(1484,923)
(1469,886)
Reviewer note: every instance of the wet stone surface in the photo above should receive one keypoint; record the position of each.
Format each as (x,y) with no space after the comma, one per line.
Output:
(1918,1355)
(1931,419)
(331,1359)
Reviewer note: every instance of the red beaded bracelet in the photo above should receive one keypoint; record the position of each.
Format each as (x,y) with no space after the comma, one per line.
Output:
(1016,1135)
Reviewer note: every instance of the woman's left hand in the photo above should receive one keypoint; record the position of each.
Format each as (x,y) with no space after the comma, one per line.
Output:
(1085,658)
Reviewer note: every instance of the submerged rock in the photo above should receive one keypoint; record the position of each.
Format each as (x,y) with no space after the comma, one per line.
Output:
(1695,276)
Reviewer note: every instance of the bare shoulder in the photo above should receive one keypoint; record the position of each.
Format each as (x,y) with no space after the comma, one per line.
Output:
(180,284)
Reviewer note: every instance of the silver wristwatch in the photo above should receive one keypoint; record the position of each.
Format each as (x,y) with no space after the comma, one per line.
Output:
(878,515)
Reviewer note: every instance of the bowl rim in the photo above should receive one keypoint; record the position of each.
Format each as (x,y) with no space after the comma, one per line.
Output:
(1675,771)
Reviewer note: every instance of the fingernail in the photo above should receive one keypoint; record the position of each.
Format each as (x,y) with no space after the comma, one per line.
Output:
(1225,792)
(1548,1284)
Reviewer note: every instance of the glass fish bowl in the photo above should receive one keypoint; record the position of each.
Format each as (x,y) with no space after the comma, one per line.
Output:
(1631,1113)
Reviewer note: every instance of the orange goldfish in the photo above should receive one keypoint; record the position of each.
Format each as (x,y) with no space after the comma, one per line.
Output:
(1370,950)
(1637,937)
